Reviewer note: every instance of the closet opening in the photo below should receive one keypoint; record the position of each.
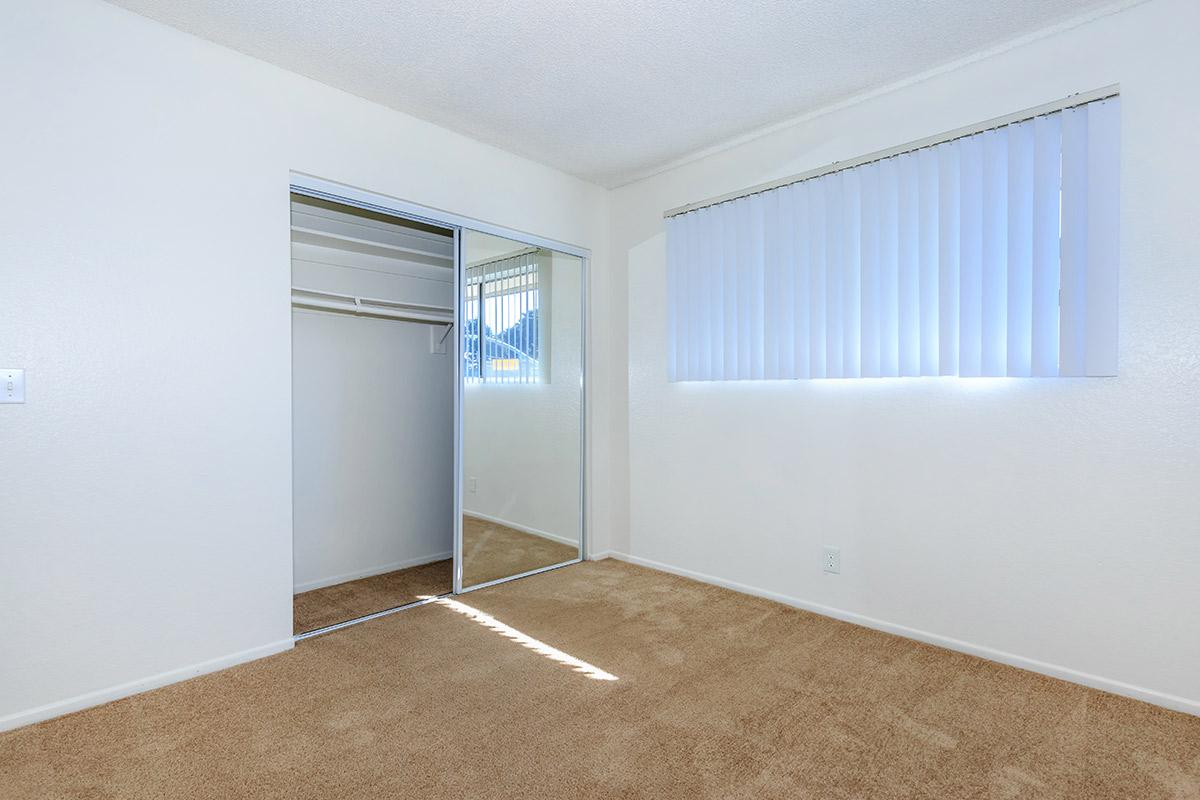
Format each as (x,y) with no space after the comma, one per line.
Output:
(438,405)
(373,412)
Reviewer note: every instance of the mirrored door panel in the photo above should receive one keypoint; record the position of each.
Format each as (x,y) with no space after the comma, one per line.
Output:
(522,408)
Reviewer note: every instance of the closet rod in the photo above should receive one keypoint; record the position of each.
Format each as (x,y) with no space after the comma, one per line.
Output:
(371,307)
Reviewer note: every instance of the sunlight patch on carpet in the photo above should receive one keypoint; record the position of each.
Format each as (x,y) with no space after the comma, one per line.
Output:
(525,640)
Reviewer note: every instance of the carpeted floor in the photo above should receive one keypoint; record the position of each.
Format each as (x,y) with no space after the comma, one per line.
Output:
(490,551)
(718,695)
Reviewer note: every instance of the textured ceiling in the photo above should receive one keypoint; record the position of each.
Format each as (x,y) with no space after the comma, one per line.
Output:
(608,89)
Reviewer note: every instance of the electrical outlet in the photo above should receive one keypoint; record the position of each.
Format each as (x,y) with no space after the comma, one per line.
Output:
(472,485)
(832,562)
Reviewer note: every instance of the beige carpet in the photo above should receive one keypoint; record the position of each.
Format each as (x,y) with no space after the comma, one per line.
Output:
(719,695)
(491,551)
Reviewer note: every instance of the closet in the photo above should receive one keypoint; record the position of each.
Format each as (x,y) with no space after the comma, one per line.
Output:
(437,406)
(373,378)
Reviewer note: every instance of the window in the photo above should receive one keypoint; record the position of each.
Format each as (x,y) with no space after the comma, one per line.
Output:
(992,254)
(502,337)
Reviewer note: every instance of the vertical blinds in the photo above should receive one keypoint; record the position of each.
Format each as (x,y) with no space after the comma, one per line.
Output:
(993,254)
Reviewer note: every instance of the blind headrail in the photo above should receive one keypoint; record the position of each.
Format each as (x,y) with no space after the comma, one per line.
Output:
(1071,101)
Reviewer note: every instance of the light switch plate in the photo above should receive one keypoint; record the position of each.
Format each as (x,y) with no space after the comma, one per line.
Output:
(12,385)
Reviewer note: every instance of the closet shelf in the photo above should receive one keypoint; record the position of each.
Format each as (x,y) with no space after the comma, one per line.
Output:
(367,246)
(371,307)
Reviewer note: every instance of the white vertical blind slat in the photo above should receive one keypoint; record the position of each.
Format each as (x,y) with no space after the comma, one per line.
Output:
(709,336)
(1103,235)
(907,288)
(1047,177)
(970,258)
(786,330)
(705,263)
(852,275)
(677,255)
(772,283)
(703,253)
(1073,277)
(803,282)
(889,248)
(869,282)
(993,289)
(729,306)
(754,212)
(745,301)
(1020,249)
(697,250)
(835,269)
(816,293)
(949,220)
(927,167)
(698,240)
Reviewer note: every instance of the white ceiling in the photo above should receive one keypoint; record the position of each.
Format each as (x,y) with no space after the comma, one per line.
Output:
(608,89)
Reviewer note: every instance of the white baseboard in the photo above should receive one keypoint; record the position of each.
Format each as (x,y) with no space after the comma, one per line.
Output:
(333,580)
(1173,702)
(102,696)
(603,554)
(554,537)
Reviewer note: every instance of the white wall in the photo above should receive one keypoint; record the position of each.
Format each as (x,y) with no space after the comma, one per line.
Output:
(521,441)
(1050,523)
(147,530)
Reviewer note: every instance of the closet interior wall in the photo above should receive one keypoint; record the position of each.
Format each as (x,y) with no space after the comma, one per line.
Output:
(373,379)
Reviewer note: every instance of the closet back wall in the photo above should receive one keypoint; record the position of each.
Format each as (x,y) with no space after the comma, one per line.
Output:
(372,406)
(1048,522)
(147,530)
(374,448)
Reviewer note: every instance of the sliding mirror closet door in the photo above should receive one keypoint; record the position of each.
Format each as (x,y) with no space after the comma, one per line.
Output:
(522,408)
(373,375)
